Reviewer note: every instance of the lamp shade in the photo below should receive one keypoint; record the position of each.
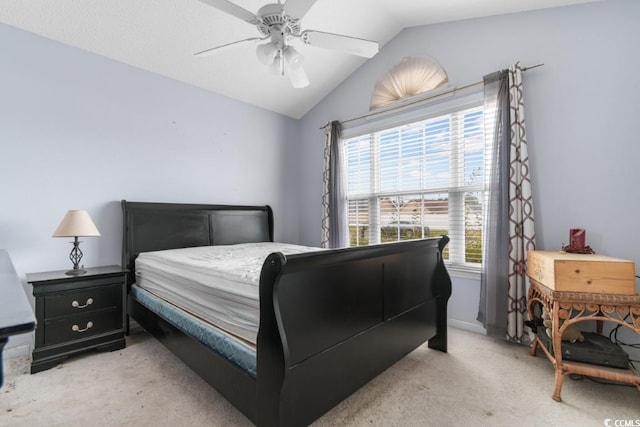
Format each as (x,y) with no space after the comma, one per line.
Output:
(76,223)
(267,53)
(293,57)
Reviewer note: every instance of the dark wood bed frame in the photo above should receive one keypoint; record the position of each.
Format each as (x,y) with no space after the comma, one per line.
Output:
(330,321)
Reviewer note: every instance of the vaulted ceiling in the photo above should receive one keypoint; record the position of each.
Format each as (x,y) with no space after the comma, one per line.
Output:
(161,36)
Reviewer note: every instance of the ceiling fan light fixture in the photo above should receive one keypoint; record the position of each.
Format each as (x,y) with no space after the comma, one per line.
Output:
(297,76)
(275,67)
(293,57)
(267,53)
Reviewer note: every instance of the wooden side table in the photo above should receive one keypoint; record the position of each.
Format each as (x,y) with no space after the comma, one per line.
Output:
(574,307)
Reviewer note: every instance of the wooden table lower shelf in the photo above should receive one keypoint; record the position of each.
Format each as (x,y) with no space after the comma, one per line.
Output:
(574,307)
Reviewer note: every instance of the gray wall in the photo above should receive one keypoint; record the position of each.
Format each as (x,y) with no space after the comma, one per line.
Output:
(78,131)
(581,112)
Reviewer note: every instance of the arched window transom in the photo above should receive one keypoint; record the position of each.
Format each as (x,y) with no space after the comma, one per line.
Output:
(410,77)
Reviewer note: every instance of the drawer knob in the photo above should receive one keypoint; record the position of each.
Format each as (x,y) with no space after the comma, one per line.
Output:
(76,328)
(76,304)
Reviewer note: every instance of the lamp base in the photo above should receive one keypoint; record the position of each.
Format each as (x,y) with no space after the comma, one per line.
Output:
(75,256)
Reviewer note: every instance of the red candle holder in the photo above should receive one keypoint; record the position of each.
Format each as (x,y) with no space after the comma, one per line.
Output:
(577,238)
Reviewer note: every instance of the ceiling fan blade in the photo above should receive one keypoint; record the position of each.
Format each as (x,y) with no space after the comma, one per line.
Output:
(298,8)
(226,47)
(232,9)
(352,45)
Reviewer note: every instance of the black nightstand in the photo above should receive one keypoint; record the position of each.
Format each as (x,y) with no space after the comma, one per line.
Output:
(77,313)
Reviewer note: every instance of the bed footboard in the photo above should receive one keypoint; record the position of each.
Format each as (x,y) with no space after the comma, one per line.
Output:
(331,321)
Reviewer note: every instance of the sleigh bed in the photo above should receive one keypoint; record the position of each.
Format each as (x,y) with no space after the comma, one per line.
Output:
(329,320)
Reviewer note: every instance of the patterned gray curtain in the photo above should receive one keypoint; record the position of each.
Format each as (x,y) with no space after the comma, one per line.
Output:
(509,228)
(334,229)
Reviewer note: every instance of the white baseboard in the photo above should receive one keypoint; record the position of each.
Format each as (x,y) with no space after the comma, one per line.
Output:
(466,326)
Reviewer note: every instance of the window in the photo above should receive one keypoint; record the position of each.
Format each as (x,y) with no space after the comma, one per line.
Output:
(420,179)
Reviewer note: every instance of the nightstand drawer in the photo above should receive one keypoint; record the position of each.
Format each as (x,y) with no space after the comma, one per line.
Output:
(78,302)
(82,326)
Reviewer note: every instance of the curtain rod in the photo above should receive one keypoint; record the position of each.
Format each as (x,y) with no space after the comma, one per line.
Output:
(373,113)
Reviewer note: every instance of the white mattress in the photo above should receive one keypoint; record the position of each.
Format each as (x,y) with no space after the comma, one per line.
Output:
(216,283)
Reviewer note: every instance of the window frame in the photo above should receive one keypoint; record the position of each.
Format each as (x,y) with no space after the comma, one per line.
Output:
(390,118)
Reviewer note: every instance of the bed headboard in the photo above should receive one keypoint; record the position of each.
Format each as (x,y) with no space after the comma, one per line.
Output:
(159,226)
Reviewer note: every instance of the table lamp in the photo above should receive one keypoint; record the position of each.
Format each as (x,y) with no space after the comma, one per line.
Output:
(76,223)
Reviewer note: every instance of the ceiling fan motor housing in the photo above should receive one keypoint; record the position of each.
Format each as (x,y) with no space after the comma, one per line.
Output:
(273,19)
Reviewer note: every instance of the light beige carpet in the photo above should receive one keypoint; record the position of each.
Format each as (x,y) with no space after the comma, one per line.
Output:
(480,382)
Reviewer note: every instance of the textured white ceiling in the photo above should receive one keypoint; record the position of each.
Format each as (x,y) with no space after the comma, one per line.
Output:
(161,36)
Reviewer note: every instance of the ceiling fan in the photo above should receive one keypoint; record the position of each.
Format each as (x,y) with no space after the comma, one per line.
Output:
(279,26)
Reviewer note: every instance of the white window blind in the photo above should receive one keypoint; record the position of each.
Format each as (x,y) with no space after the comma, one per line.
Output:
(420,179)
